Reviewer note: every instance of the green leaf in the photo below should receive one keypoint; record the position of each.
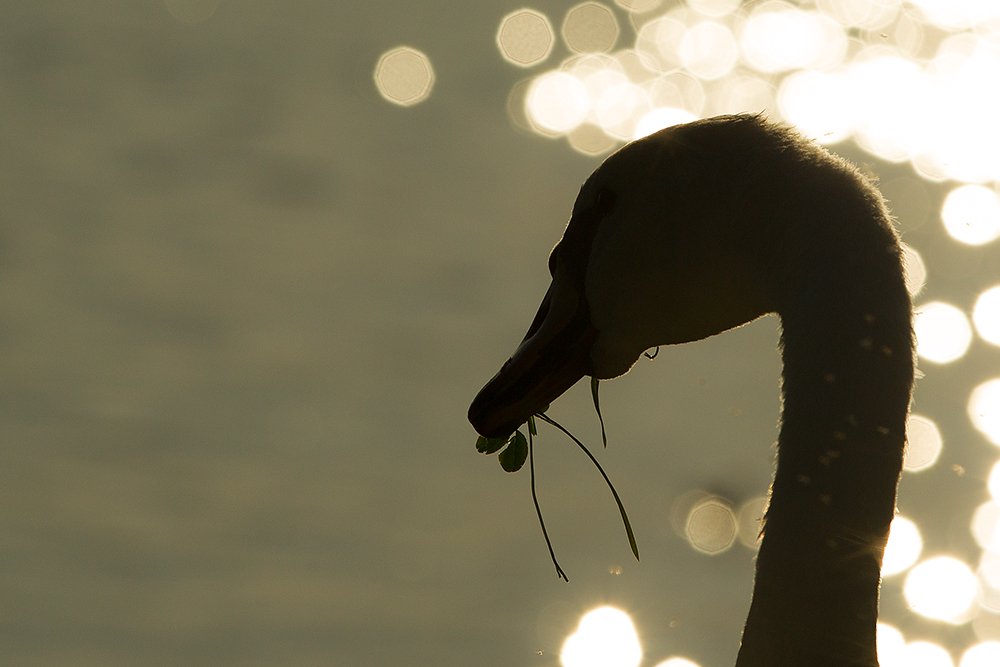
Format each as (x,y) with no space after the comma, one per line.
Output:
(491,445)
(512,458)
(531,426)
(597,406)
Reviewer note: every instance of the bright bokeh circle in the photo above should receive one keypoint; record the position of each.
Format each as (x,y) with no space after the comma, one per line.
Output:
(903,548)
(985,525)
(941,588)
(869,14)
(986,315)
(993,482)
(914,268)
(923,654)
(986,654)
(923,443)
(971,214)
(708,50)
(889,644)
(557,102)
(605,637)
(984,409)
(943,332)
(778,37)
(662,118)
(819,104)
(677,662)
(989,579)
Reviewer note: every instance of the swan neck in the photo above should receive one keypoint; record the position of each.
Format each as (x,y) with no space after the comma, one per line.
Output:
(848,372)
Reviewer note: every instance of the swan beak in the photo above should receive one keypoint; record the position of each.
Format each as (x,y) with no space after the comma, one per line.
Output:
(553,356)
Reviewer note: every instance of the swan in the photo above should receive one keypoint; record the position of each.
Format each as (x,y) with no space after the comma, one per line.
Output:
(703,227)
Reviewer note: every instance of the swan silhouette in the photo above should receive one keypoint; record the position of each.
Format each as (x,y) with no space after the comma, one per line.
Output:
(706,226)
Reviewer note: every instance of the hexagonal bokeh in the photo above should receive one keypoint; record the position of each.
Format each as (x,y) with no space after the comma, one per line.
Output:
(404,76)
(638,6)
(590,28)
(525,37)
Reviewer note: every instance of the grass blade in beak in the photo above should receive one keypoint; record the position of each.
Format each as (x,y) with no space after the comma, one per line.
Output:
(534,499)
(621,508)
(597,406)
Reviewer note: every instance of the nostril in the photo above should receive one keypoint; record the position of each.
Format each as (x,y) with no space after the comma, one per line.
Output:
(536,323)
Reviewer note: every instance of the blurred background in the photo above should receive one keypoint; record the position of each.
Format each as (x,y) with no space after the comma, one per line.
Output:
(257,257)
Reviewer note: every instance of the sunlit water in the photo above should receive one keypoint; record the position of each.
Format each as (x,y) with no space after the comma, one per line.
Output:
(909,83)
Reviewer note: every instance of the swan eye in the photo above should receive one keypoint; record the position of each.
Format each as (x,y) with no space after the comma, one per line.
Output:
(605,202)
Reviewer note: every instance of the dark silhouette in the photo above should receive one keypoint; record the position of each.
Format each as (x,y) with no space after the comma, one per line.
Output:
(703,227)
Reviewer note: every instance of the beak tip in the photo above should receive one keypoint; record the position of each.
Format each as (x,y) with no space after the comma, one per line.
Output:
(484,420)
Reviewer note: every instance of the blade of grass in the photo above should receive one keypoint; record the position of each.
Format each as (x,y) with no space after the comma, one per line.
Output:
(538,510)
(597,406)
(621,507)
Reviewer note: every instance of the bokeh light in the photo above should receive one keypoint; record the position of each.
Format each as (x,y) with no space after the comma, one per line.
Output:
(989,580)
(749,520)
(915,270)
(885,90)
(590,139)
(708,50)
(903,548)
(638,6)
(986,315)
(711,526)
(943,332)
(525,37)
(739,92)
(868,14)
(605,637)
(984,409)
(713,8)
(557,102)
(819,104)
(941,588)
(922,654)
(778,37)
(957,14)
(889,643)
(659,119)
(590,28)
(657,44)
(677,662)
(986,654)
(985,526)
(903,96)
(678,90)
(923,443)
(404,76)
(620,109)
(971,214)
(993,482)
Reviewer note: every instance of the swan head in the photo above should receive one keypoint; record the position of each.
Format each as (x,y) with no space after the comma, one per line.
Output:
(655,253)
